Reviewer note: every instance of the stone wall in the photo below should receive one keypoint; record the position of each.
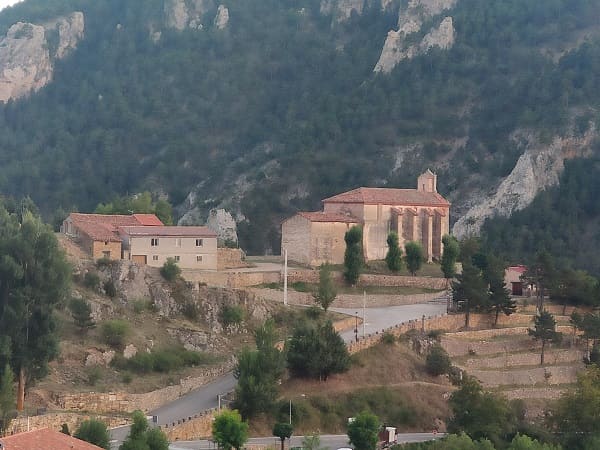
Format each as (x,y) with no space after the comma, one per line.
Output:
(234,280)
(312,276)
(120,402)
(230,258)
(191,428)
(55,420)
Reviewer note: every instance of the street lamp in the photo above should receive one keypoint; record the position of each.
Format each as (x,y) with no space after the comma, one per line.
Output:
(302,395)
(356,326)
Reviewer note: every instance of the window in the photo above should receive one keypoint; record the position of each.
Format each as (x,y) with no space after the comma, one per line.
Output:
(106,255)
(177,242)
(199,258)
(154,242)
(199,242)
(154,257)
(177,258)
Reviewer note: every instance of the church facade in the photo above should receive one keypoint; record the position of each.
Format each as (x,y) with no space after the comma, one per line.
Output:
(420,214)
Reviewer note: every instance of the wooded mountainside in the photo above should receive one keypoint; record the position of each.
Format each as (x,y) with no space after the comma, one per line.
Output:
(281,108)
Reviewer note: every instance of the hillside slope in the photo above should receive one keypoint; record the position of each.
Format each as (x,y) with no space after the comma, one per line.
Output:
(264,108)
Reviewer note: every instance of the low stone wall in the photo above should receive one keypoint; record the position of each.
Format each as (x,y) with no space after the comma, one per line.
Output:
(191,428)
(120,402)
(554,357)
(312,276)
(550,375)
(55,420)
(234,280)
(230,258)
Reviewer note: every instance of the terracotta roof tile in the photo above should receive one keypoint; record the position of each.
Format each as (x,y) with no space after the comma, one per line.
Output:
(149,220)
(99,231)
(388,196)
(320,216)
(168,231)
(44,439)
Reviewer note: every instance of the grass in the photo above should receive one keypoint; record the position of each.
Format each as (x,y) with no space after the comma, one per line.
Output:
(380,268)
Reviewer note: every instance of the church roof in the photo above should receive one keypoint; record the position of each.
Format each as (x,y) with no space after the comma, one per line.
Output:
(388,196)
(320,216)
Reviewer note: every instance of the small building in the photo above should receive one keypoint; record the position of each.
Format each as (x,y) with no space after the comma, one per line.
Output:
(190,247)
(98,234)
(44,439)
(420,214)
(513,281)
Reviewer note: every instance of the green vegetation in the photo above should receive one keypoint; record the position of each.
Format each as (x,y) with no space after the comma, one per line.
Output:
(232,315)
(353,256)
(316,351)
(437,361)
(91,280)
(114,332)
(393,259)
(545,331)
(95,432)
(141,203)
(449,256)
(35,281)
(7,398)
(229,431)
(143,438)
(326,290)
(464,442)
(363,430)
(81,311)
(283,431)
(170,270)
(413,256)
(258,373)
(162,361)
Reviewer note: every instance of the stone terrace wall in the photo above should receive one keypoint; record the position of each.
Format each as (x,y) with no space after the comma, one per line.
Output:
(121,402)
(230,258)
(312,276)
(55,420)
(234,280)
(191,428)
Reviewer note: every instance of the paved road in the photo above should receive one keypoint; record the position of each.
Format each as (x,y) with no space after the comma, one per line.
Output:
(206,397)
(329,441)
(378,319)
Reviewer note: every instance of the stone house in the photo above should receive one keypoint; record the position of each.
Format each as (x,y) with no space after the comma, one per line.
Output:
(98,234)
(420,214)
(190,247)
(142,238)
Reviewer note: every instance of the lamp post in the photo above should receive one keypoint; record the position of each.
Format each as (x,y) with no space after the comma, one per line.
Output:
(302,395)
(356,326)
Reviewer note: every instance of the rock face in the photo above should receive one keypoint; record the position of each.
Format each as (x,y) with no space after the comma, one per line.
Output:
(222,17)
(222,223)
(182,14)
(411,19)
(341,10)
(538,168)
(25,58)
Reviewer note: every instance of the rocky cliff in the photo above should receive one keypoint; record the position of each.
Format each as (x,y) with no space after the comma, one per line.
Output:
(28,50)
(398,47)
(191,14)
(538,168)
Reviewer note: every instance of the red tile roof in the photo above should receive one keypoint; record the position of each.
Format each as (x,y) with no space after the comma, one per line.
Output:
(44,439)
(104,227)
(320,216)
(388,196)
(518,269)
(149,220)
(169,231)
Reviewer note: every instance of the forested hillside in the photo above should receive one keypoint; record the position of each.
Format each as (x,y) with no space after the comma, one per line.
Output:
(281,107)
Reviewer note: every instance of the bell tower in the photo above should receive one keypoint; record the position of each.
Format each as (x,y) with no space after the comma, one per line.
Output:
(427,182)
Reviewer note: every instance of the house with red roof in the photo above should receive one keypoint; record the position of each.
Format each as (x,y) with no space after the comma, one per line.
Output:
(44,439)
(142,238)
(420,214)
(98,234)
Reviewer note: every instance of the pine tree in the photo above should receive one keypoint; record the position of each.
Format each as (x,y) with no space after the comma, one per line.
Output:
(544,331)
(326,291)
(413,256)
(393,258)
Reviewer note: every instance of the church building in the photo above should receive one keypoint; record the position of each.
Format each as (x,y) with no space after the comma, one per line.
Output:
(420,214)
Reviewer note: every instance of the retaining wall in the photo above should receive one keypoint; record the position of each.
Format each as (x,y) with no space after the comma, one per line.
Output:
(54,421)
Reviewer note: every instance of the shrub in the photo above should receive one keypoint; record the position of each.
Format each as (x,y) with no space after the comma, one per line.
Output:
(93,375)
(163,361)
(190,310)
(300,286)
(436,335)
(126,378)
(114,332)
(313,312)
(232,315)
(91,280)
(388,338)
(170,270)
(104,262)
(110,288)
(437,362)
(140,305)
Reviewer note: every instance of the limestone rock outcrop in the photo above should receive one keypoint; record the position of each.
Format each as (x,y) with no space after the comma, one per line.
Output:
(411,19)
(341,10)
(25,57)
(222,17)
(182,14)
(538,168)
(222,223)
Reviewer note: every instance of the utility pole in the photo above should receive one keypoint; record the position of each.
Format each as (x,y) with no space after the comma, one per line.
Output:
(364,312)
(285,287)
(356,326)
